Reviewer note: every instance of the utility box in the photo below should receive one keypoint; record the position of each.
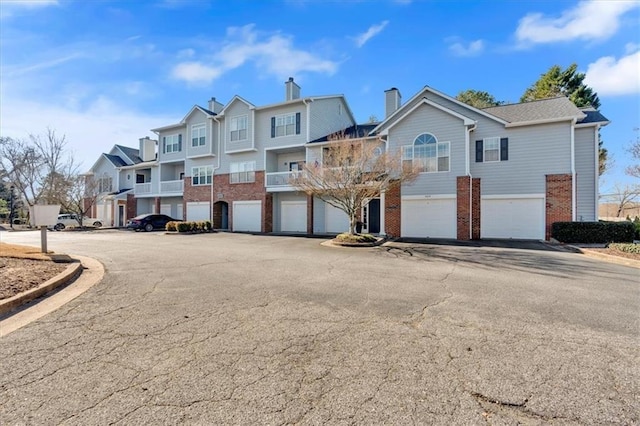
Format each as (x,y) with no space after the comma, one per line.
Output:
(44,215)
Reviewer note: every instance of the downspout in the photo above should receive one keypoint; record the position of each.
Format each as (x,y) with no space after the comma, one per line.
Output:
(468,172)
(383,197)
(597,177)
(573,170)
(307,103)
(214,167)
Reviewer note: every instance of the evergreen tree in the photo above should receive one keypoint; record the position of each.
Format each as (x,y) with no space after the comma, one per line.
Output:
(478,98)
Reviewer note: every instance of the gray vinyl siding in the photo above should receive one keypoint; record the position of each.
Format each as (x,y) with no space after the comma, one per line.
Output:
(236,109)
(278,198)
(446,128)
(328,116)
(585,146)
(314,153)
(127,179)
(198,162)
(283,160)
(534,151)
(197,117)
(263,127)
(104,168)
(180,155)
(240,157)
(318,216)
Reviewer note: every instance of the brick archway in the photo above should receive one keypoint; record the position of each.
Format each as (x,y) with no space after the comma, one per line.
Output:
(221,215)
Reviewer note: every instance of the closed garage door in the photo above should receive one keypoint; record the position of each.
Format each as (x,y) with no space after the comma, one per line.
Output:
(247,215)
(518,218)
(293,216)
(335,220)
(431,218)
(198,211)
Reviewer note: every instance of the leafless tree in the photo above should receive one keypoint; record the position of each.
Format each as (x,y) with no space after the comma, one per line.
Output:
(625,197)
(40,168)
(80,196)
(353,172)
(634,150)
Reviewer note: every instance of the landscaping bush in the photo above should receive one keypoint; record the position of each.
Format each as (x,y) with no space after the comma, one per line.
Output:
(171,226)
(208,226)
(193,226)
(355,238)
(627,248)
(593,232)
(636,224)
(184,226)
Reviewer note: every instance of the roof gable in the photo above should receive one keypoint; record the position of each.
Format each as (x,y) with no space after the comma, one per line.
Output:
(194,109)
(466,120)
(237,98)
(131,154)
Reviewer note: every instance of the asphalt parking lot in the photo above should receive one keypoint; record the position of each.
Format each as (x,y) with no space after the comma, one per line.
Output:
(243,329)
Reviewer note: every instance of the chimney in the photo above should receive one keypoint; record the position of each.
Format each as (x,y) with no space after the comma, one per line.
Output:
(215,106)
(292,90)
(147,149)
(392,99)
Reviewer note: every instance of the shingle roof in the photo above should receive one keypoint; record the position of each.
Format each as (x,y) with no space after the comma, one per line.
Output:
(115,160)
(132,153)
(207,111)
(544,109)
(352,132)
(593,116)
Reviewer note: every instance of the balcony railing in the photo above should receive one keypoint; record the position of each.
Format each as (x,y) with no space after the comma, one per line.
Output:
(142,188)
(280,179)
(171,186)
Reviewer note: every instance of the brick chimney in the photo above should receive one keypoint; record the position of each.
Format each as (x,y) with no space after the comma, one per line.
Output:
(392,101)
(292,90)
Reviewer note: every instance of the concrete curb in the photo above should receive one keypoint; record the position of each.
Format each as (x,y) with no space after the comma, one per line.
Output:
(92,273)
(72,272)
(607,257)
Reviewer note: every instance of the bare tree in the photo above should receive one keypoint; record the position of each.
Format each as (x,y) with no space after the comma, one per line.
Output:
(353,172)
(625,197)
(40,168)
(80,196)
(634,150)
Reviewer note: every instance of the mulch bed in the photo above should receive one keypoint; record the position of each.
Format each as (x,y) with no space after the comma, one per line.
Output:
(18,275)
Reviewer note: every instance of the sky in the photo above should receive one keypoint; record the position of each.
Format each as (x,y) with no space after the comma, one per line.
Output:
(105,72)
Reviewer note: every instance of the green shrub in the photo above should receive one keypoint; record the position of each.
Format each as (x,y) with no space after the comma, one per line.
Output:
(184,226)
(636,224)
(208,226)
(593,232)
(355,238)
(627,248)
(171,227)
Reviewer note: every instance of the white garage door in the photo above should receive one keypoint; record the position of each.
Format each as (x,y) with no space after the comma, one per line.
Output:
(165,209)
(293,216)
(247,216)
(519,218)
(335,220)
(198,211)
(430,218)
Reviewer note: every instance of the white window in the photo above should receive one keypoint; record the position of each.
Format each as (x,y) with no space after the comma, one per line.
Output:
(198,135)
(285,125)
(172,143)
(201,175)
(238,127)
(105,184)
(431,156)
(243,172)
(491,149)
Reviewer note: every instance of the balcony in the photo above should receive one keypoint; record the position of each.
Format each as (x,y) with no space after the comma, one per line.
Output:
(279,181)
(175,187)
(142,188)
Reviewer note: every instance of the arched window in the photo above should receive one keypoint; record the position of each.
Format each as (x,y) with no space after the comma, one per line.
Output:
(431,155)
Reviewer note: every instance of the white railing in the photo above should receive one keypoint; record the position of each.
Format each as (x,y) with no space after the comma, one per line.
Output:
(280,178)
(142,188)
(171,186)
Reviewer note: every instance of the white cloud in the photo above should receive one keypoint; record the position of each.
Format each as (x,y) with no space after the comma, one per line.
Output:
(274,55)
(458,48)
(10,6)
(373,30)
(631,47)
(610,77)
(589,20)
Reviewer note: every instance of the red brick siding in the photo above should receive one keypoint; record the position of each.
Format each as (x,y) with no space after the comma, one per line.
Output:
(476,193)
(132,206)
(230,192)
(392,205)
(559,200)
(310,214)
(197,193)
(463,209)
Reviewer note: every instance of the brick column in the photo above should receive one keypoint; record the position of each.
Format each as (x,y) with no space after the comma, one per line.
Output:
(476,194)
(559,200)
(310,214)
(132,206)
(157,204)
(463,209)
(267,213)
(392,212)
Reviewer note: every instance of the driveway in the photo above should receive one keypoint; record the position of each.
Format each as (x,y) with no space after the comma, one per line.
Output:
(243,329)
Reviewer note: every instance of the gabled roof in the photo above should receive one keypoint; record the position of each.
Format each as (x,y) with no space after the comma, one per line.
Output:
(423,93)
(352,132)
(197,108)
(115,160)
(132,154)
(237,98)
(553,109)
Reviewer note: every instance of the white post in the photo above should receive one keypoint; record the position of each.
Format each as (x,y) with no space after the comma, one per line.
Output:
(43,238)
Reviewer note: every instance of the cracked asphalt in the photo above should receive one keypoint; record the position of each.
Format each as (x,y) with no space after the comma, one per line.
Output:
(242,329)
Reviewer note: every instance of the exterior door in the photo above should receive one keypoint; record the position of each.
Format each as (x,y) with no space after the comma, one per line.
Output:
(373,216)
(120,215)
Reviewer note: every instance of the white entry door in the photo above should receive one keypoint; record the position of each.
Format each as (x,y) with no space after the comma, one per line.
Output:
(518,218)
(293,216)
(429,218)
(198,211)
(247,216)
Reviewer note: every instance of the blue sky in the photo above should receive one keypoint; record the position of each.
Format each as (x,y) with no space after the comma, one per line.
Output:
(106,72)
